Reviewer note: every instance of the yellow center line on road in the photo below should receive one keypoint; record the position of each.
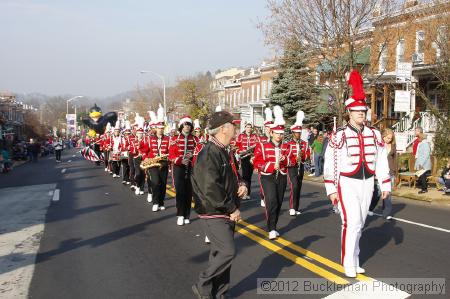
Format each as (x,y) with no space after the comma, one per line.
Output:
(292,257)
(303,251)
(243,228)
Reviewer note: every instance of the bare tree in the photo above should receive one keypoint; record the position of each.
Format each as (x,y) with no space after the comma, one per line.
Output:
(334,33)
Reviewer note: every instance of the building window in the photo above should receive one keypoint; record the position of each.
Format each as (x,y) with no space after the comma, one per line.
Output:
(400,51)
(264,89)
(253,93)
(420,46)
(269,87)
(383,58)
(258,89)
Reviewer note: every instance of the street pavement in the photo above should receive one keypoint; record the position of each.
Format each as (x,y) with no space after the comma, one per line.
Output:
(102,241)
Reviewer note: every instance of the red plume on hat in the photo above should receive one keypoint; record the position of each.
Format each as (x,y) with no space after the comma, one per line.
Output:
(358,99)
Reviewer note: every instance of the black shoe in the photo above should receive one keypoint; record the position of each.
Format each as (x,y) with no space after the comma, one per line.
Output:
(423,191)
(197,293)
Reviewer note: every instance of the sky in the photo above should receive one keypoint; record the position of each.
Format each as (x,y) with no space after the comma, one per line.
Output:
(97,48)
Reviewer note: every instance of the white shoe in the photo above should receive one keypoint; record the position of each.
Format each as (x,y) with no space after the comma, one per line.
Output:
(272,235)
(278,234)
(155,208)
(388,217)
(298,213)
(360,270)
(162,208)
(370,213)
(263,204)
(150,198)
(136,191)
(180,220)
(187,221)
(291,212)
(106,169)
(128,183)
(124,182)
(350,272)
(132,187)
(141,192)
(207,240)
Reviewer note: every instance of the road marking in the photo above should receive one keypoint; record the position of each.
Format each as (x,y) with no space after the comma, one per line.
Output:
(303,251)
(364,289)
(418,224)
(292,257)
(56,195)
(63,170)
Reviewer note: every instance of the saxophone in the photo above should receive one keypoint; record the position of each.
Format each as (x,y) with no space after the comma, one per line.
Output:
(157,161)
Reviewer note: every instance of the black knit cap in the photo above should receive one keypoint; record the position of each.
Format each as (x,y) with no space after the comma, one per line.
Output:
(220,118)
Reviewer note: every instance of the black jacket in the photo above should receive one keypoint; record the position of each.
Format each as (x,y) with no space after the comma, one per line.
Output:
(215,181)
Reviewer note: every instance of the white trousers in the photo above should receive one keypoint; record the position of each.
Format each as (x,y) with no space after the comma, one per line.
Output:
(355,196)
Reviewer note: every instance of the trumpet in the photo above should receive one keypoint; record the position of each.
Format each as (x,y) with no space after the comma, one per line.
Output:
(157,161)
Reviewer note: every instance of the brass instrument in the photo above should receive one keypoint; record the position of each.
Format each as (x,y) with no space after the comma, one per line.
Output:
(157,161)
(248,152)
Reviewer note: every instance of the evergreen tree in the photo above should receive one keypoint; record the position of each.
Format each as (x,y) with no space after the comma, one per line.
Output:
(294,88)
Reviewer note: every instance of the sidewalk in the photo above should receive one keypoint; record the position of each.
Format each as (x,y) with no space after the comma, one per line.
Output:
(433,195)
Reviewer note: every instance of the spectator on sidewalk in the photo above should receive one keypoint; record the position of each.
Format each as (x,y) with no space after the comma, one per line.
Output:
(5,162)
(444,179)
(423,162)
(317,147)
(391,148)
(58,146)
(34,148)
(417,131)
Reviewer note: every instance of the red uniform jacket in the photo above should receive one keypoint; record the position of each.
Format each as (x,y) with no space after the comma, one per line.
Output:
(265,158)
(244,142)
(177,147)
(293,151)
(163,148)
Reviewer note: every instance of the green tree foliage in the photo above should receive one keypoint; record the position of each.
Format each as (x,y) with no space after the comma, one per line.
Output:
(294,88)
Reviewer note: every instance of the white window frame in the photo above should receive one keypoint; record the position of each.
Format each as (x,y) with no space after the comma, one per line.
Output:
(382,64)
(400,51)
(420,37)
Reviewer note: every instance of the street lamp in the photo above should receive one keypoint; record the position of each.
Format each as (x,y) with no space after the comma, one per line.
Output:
(67,112)
(164,89)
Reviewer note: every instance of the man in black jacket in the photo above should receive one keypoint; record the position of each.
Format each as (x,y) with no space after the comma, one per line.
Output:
(217,189)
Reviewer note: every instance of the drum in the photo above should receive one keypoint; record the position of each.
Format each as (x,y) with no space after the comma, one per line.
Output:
(124,155)
(115,156)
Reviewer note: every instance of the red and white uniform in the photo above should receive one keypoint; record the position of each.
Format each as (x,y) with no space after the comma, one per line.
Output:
(139,148)
(294,148)
(352,159)
(263,139)
(267,156)
(158,146)
(244,142)
(180,146)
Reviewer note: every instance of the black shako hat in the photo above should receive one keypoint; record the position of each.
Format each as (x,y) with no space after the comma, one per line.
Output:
(220,118)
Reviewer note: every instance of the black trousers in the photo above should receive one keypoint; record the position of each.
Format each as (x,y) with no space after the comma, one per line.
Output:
(106,159)
(215,280)
(132,172)
(96,149)
(58,155)
(183,187)
(115,167)
(125,170)
(273,189)
(148,179)
(247,171)
(139,175)
(158,184)
(423,180)
(295,180)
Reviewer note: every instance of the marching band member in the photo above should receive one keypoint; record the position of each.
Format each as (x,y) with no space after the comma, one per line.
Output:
(298,153)
(151,131)
(104,145)
(159,147)
(355,154)
(140,150)
(268,121)
(197,129)
(116,143)
(131,154)
(125,155)
(271,162)
(181,150)
(246,143)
